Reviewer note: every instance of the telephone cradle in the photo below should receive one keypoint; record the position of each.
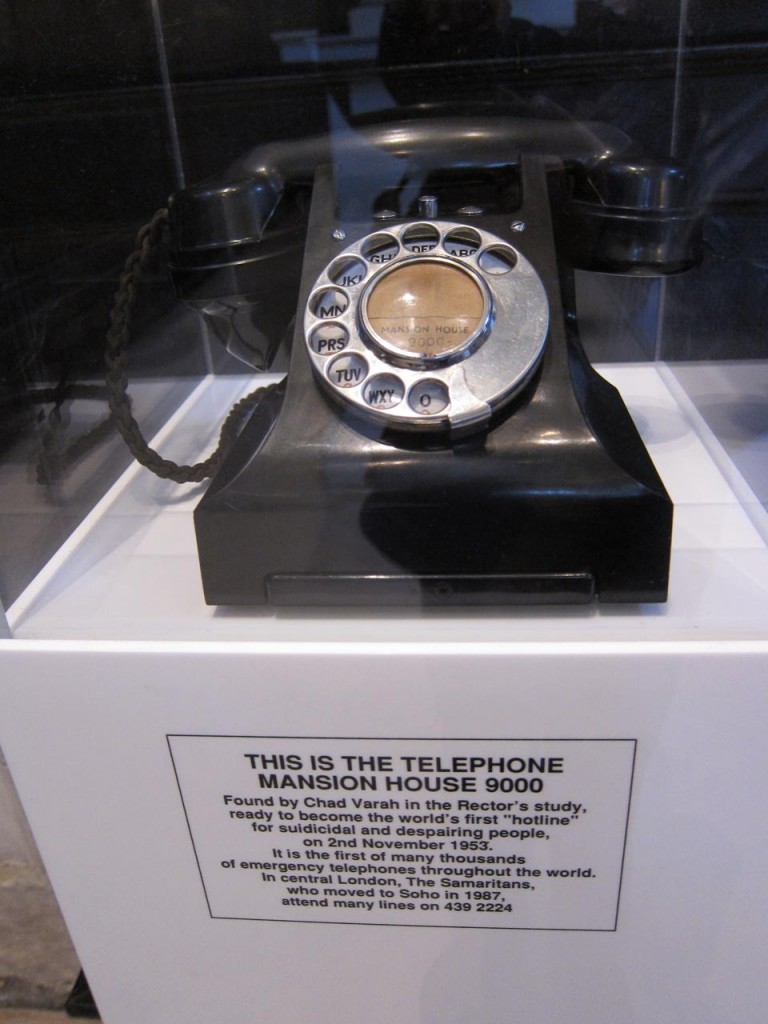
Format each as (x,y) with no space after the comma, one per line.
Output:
(440,438)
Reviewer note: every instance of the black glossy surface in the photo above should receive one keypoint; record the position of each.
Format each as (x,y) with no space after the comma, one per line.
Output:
(561,486)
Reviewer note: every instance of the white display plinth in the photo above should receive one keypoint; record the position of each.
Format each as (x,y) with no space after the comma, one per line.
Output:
(130,571)
(139,724)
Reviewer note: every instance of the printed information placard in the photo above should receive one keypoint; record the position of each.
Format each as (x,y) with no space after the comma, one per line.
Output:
(467,833)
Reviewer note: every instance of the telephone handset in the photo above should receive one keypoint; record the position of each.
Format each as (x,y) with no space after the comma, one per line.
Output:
(440,437)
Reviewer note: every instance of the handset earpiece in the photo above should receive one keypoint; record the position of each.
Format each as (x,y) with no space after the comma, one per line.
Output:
(235,251)
(631,216)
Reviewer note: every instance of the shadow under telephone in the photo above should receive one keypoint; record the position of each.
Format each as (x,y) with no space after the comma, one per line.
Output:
(440,437)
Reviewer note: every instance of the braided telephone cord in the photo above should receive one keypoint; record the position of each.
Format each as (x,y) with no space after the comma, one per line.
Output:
(118,338)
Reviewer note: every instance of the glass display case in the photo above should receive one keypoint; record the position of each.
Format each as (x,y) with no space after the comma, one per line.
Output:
(654,119)
(430,401)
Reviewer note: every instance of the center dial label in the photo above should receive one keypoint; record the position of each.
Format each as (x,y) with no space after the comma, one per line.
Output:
(425,309)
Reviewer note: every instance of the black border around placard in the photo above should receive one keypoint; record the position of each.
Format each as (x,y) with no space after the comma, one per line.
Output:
(421,739)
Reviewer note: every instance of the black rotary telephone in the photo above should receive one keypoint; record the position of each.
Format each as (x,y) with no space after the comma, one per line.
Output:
(440,437)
